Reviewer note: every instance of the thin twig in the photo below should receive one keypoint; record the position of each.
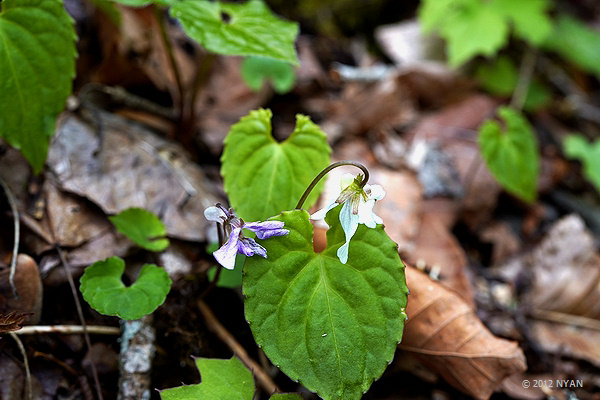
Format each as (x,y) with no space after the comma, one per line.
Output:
(202,74)
(25,364)
(525,74)
(167,43)
(88,342)
(325,171)
(215,326)
(566,319)
(69,330)
(17,228)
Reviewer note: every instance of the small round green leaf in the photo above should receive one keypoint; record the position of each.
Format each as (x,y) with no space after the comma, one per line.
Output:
(334,327)
(510,153)
(263,177)
(221,379)
(142,227)
(102,288)
(238,29)
(256,70)
(37,64)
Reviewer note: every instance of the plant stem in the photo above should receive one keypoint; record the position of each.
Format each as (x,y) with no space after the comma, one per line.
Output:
(167,43)
(25,365)
(15,251)
(325,171)
(525,74)
(238,350)
(88,342)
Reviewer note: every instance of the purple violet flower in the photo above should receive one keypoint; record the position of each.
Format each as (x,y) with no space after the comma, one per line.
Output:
(236,241)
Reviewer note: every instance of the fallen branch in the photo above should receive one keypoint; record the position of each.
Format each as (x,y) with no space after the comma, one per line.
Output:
(215,326)
(69,330)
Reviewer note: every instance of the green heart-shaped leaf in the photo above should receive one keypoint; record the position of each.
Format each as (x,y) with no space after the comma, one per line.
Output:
(238,29)
(37,63)
(142,227)
(102,288)
(332,326)
(263,177)
(511,153)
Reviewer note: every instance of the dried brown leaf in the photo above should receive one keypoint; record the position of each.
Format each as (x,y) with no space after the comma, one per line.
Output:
(564,296)
(129,166)
(444,333)
(12,321)
(438,249)
(566,270)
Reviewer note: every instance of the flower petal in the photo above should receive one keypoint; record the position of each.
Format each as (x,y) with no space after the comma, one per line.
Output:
(349,223)
(226,254)
(215,214)
(267,229)
(342,253)
(249,247)
(367,216)
(323,211)
(377,192)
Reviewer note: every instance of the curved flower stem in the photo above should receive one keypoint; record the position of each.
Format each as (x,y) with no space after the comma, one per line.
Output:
(325,171)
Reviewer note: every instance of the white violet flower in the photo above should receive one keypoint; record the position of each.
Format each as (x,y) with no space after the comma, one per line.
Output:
(357,209)
(236,241)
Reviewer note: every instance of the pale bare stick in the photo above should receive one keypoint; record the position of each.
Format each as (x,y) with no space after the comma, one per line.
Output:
(69,330)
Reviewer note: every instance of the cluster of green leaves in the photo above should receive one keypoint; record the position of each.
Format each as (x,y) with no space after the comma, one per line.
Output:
(482,27)
(246,29)
(101,284)
(221,379)
(37,56)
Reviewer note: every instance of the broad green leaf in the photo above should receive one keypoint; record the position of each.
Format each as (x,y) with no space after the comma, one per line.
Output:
(37,64)
(481,27)
(256,70)
(142,227)
(433,13)
(263,177)
(221,379)
(333,327)
(576,42)
(576,146)
(510,153)
(473,30)
(102,288)
(238,29)
(530,18)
